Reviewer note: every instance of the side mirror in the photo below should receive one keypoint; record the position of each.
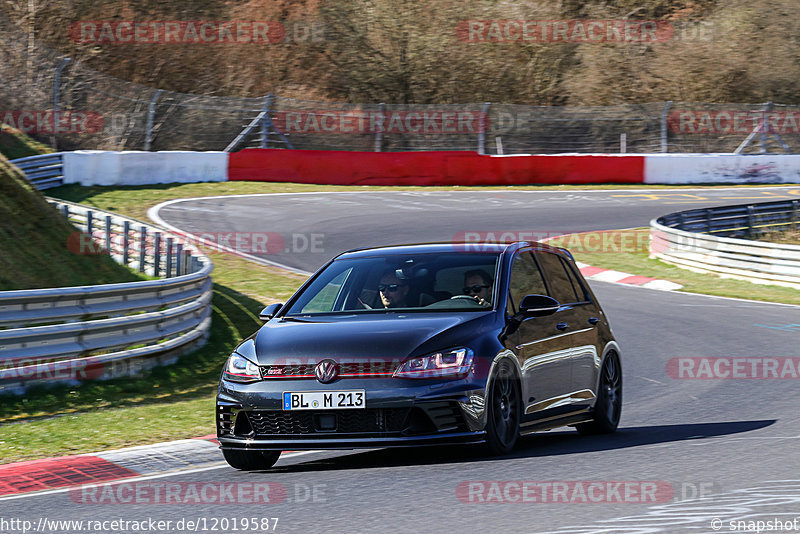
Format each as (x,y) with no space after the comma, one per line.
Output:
(538,306)
(269,312)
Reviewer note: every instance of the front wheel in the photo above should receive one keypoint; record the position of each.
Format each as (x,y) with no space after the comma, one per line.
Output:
(503,411)
(608,407)
(250,460)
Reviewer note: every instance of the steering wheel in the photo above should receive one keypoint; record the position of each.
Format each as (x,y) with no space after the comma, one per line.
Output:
(470,297)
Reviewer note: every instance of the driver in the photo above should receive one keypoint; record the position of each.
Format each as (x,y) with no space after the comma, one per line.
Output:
(394,292)
(478,285)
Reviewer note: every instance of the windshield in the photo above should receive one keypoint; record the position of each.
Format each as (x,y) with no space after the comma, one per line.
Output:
(422,282)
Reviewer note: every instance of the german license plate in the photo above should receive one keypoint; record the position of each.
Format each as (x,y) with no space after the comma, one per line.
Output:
(324,400)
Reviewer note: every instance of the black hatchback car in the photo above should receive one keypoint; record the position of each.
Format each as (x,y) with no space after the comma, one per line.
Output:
(423,344)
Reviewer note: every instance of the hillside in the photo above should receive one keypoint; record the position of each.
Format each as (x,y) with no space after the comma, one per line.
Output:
(33,242)
(410,52)
(15,144)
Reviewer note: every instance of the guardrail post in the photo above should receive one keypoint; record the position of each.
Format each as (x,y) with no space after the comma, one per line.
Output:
(751,221)
(157,254)
(168,267)
(142,248)
(108,234)
(681,220)
(126,228)
(89,220)
(708,220)
(65,211)
(178,258)
(795,214)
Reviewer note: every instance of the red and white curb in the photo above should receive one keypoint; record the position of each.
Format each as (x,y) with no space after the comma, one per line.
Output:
(68,471)
(617,277)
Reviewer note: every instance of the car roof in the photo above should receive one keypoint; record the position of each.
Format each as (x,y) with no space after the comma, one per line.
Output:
(442,248)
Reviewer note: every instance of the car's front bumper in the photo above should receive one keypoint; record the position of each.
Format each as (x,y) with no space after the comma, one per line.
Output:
(407,413)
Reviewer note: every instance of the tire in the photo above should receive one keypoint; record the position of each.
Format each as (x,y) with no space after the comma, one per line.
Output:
(250,460)
(503,411)
(607,408)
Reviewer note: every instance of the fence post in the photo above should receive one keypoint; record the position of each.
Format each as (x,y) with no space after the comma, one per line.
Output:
(65,211)
(157,254)
(89,221)
(379,133)
(56,91)
(482,128)
(178,258)
(108,234)
(264,120)
(751,221)
(151,112)
(664,133)
(126,227)
(795,214)
(168,267)
(142,248)
(764,126)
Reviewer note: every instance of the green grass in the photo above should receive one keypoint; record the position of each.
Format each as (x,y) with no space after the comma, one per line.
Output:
(39,248)
(15,144)
(189,384)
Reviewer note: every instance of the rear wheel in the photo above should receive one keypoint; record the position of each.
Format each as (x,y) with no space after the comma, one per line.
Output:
(251,460)
(608,407)
(503,410)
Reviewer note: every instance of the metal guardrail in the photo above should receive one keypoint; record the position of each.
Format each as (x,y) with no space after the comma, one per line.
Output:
(77,333)
(43,171)
(719,240)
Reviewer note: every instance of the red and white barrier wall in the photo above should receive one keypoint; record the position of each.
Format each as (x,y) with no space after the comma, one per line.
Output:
(424,168)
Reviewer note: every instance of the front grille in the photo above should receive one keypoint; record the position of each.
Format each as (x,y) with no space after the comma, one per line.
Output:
(370,420)
(368,369)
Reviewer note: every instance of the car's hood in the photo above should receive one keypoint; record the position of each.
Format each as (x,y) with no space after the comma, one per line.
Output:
(358,337)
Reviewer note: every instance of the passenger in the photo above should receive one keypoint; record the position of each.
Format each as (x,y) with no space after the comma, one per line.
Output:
(394,292)
(478,284)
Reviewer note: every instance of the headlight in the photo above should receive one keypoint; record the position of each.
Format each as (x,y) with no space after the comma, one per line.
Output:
(240,369)
(454,363)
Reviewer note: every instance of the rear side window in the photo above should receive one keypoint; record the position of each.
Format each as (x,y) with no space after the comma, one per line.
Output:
(564,286)
(526,279)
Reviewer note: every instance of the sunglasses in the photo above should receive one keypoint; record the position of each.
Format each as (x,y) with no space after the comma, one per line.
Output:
(383,288)
(473,289)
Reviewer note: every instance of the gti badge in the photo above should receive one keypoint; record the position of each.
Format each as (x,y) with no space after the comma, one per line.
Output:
(326,371)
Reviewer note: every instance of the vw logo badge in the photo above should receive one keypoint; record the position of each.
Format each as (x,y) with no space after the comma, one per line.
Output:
(326,371)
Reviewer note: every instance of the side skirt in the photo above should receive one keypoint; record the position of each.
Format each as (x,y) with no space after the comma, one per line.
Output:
(574,418)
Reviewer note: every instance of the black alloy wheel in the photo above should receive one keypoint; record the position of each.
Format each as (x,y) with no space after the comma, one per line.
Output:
(503,410)
(608,407)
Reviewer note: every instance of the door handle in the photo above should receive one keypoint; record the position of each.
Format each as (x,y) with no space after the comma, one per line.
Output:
(562,326)
(593,320)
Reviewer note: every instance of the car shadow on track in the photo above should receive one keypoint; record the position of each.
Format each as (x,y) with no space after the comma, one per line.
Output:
(537,445)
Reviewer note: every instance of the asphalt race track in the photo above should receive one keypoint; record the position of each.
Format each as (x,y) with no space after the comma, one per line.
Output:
(732,441)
